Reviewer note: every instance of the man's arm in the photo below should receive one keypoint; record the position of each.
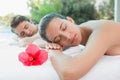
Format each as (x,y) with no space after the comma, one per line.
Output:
(27,40)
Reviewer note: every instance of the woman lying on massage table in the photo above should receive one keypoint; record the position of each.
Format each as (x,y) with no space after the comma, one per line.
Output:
(100,37)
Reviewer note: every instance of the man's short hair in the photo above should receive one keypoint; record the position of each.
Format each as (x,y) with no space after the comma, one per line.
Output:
(16,20)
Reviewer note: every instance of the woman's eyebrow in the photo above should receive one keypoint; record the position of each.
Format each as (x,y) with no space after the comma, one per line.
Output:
(61,25)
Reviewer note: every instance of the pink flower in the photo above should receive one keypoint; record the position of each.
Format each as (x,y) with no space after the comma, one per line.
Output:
(33,56)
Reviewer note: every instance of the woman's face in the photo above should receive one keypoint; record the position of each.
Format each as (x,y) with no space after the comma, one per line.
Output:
(63,32)
(25,29)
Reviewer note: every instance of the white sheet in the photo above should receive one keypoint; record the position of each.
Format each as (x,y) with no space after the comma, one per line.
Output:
(107,68)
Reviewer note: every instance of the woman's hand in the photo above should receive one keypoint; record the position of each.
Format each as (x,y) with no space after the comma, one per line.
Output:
(53,46)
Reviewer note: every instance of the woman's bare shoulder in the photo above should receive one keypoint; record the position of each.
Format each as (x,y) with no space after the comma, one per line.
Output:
(94,23)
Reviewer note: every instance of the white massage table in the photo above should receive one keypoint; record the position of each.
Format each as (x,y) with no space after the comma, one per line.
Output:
(107,68)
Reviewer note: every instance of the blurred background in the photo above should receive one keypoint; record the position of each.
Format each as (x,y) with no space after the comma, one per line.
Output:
(79,10)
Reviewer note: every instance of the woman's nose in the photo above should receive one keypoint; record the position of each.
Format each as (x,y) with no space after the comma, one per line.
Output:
(66,36)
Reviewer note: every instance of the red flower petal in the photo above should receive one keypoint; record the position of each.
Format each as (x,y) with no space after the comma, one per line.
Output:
(36,63)
(32,49)
(43,56)
(24,58)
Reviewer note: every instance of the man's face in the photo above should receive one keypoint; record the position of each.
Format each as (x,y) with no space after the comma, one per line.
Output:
(25,29)
(63,32)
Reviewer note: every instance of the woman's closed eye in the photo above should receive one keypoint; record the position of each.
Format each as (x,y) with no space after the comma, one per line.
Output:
(26,26)
(64,28)
(57,39)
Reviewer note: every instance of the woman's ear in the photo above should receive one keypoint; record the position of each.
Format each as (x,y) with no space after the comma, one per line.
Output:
(70,19)
(31,22)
